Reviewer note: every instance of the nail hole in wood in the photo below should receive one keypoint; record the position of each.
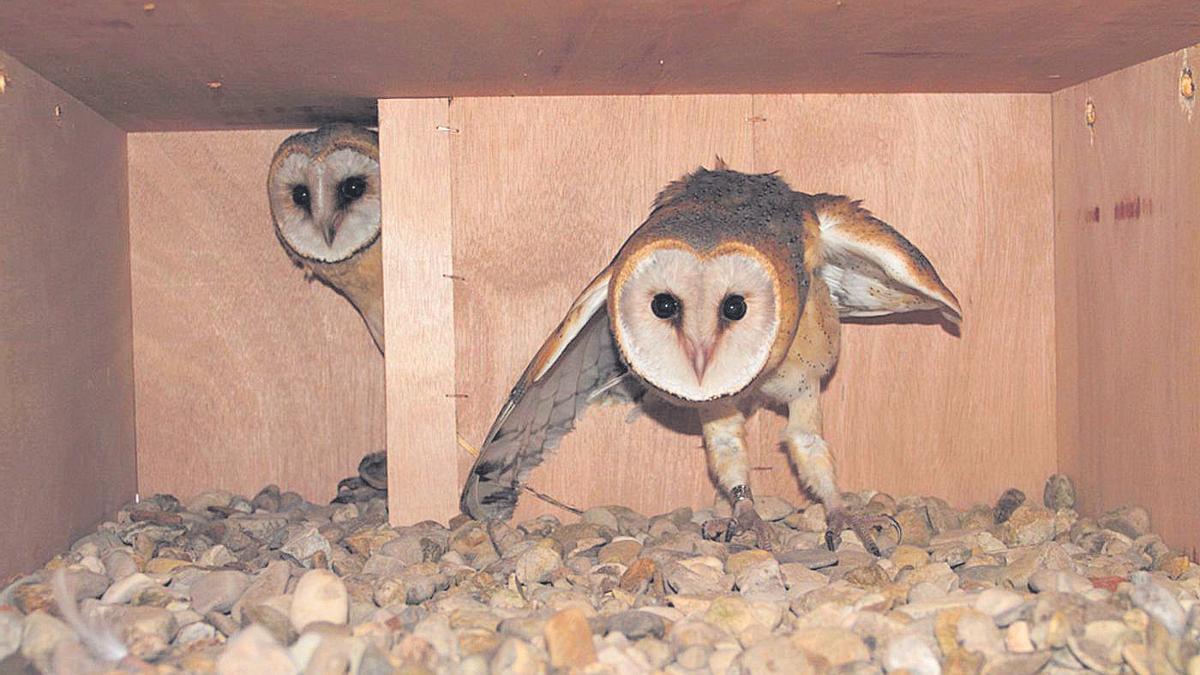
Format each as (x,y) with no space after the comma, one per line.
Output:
(1187,85)
(1089,113)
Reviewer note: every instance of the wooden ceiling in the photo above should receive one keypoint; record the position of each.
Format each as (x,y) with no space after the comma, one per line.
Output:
(156,65)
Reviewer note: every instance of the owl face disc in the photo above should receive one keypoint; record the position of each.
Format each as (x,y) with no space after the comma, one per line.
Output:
(698,326)
(325,194)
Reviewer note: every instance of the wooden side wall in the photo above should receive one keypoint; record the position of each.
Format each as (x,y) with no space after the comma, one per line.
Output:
(66,378)
(1127,256)
(544,190)
(246,373)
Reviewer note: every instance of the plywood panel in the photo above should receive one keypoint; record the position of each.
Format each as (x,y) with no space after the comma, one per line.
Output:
(914,408)
(149,70)
(1128,235)
(246,374)
(545,190)
(66,379)
(415,151)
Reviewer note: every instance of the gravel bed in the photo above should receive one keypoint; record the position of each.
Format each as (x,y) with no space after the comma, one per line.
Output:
(274,584)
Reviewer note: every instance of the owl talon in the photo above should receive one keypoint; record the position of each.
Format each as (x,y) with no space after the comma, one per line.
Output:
(718,529)
(745,519)
(864,526)
(373,470)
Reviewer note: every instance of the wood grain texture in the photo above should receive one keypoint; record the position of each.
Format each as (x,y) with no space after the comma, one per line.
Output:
(913,408)
(545,191)
(66,362)
(246,374)
(1128,241)
(299,62)
(422,452)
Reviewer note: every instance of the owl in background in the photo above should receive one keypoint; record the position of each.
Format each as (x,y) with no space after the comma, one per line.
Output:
(324,192)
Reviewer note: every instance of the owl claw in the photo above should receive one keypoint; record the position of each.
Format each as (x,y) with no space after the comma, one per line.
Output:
(745,519)
(373,470)
(864,526)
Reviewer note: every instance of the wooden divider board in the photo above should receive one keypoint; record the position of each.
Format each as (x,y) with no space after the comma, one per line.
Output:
(66,379)
(544,191)
(422,454)
(246,373)
(1128,256)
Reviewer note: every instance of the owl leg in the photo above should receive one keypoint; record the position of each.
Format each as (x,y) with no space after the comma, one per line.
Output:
(814,463)
(725,445)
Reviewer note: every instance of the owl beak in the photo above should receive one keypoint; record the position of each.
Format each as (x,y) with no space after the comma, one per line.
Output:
(330,230)
(699,353)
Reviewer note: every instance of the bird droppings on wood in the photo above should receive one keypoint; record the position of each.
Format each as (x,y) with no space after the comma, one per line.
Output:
(221,583)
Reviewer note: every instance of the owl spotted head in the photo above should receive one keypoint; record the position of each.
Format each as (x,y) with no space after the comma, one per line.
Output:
(325,193)
(697,325)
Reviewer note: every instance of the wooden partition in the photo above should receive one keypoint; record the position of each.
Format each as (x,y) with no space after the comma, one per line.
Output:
(246,373)
(66,382)
(544,190)
(1127,179)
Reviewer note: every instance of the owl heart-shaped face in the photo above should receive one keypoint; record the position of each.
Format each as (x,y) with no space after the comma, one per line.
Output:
(697,325)
(325,194)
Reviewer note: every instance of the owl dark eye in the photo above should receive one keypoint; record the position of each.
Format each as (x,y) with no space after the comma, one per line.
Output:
(664,306)
(300,196)
(733,307)
(352,188)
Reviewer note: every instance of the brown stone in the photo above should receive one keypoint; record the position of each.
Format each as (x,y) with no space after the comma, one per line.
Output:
(637,578)
(569,640)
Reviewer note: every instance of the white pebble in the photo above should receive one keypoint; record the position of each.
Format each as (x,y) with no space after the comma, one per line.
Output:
(123,591)
(911,653)
(320,596)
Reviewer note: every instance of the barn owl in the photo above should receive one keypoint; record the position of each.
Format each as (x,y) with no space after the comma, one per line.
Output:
(324,192)
(726,298)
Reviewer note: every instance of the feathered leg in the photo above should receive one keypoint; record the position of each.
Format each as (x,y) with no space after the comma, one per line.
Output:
(814,463)
(725,445)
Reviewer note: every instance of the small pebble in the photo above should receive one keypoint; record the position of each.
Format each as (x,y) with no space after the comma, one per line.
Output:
(1059,493)
(123,591)
(254,652)
(636,625)
(218,591)
(912,654)
(40,636)
(773,655)
(320,596)
(536,565)
(569,640)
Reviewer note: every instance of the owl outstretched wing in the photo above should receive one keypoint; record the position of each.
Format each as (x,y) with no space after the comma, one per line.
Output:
(871,269)
(578,364)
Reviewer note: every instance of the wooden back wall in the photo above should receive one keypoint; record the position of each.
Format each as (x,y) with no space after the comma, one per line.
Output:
(246,374)
(1128,232)
(543,191)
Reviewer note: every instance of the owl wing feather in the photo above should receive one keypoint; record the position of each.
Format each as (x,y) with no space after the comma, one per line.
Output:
(577,364)
(871,269)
